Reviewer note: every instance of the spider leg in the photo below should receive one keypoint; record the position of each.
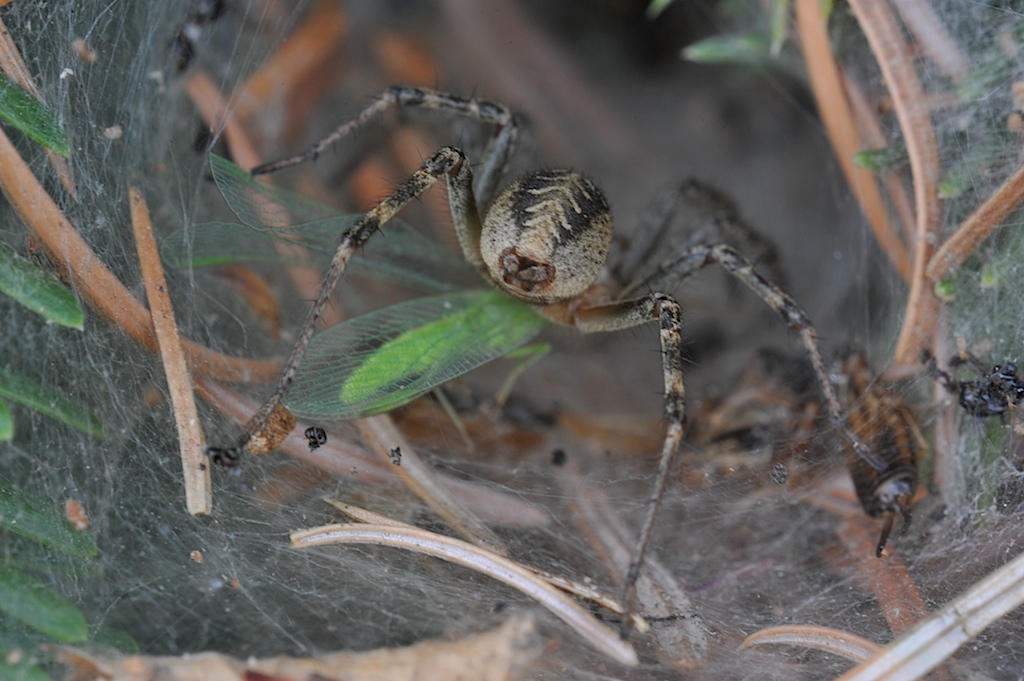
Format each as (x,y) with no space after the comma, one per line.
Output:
(673,271)
(626,314)
(449,163)
(932,366)
(904,504)
(717,221)
(973,362)
(883,538)
(499,148)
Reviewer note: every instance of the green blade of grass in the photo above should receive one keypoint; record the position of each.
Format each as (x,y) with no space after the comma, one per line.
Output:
(38,291)
(46,400)
(40,607)
(6,423)
(40,520)
(750,48)
(31,117)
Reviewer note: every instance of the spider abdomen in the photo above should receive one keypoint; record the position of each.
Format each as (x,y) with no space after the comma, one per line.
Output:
(547,236)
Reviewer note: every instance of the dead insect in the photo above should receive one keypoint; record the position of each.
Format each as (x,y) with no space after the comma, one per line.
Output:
(316,436)
(887,426)
(999,391)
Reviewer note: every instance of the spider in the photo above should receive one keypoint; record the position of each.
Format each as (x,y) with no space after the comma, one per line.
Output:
(545,240)
(999,391)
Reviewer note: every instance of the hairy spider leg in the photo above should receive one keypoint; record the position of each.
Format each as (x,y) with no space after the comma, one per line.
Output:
(683,265)
(449,163)
(462,200)
(496,156)
(718,222)
(633,312)
(626,314)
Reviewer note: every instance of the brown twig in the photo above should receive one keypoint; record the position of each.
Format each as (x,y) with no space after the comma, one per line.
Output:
(215,112)
(895,183)
(837,116)
(198,497)
(98,287)
(834,641)
(936,638)
(886,577)
(896,63)
(977,227)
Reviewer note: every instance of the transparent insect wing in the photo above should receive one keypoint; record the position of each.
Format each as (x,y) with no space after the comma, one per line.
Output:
(400,253)
(384,359)
(261,205)
(221,243)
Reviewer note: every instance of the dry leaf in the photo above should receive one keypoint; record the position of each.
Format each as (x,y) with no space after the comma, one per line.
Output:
(505,653)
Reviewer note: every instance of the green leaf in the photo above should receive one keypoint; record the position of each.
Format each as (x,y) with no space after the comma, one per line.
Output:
(40,607)
(882,159)
(779,25)
(41,521)
(46,400)
(38,291)
(750,48)
(656,7)
(946,290)
(22,671)
(6,423)
(30,116)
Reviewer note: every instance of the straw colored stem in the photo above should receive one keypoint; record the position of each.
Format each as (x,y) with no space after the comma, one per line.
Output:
(599,636)
(198,497)
(837,116)
(977,227)
(896,62)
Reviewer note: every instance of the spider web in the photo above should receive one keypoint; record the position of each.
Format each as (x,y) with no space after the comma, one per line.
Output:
(751,552)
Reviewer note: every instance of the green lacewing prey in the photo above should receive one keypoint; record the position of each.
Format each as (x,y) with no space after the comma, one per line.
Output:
(383,359)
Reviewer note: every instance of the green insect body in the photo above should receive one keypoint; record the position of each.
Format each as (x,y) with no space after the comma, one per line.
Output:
(383,359)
